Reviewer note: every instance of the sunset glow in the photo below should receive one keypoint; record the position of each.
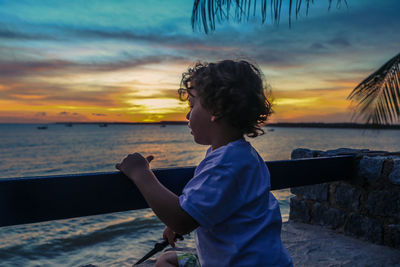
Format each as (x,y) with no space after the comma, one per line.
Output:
(102,61)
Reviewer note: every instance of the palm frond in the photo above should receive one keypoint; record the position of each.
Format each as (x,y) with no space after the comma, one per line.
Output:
(377,98)
(206,12)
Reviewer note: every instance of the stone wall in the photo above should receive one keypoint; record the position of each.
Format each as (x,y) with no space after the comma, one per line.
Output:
(367,207)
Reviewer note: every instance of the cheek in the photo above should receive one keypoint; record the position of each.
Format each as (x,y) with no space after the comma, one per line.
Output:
(192,119)
(195,121)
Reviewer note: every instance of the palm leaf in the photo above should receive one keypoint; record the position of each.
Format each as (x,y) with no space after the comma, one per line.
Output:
(377,98)
(207,12)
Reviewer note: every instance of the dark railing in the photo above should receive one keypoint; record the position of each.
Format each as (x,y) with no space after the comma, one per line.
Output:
(37,199)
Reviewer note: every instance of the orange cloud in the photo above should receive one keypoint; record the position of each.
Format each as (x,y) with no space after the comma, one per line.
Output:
(149,93)
(311,105)
(28,97)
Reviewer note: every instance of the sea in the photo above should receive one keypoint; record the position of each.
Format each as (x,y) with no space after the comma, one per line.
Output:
(120,239)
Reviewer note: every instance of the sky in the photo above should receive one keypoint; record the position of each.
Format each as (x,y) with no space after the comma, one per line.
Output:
(122,61)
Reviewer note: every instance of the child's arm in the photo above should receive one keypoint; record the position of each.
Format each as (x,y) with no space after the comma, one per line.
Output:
(163,202)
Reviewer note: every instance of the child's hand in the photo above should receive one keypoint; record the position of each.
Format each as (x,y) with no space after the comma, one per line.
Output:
(171,236)
(134,165)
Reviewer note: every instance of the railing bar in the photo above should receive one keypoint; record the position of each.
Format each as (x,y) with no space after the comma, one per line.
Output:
(36,199)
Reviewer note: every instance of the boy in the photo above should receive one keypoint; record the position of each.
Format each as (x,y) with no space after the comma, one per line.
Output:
(236,219)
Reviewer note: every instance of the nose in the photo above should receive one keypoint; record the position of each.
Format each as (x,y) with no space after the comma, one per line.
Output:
(188,115)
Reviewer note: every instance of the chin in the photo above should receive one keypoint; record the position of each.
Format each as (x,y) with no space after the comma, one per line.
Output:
(201,142)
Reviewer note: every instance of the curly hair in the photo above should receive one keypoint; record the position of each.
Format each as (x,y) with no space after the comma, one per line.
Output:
(232,90)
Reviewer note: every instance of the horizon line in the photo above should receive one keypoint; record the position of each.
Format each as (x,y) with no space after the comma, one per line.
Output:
(276,124)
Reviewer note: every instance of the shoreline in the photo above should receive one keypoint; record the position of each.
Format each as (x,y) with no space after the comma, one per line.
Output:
(340,125)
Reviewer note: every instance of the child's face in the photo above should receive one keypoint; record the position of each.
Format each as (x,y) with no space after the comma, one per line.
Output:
(200,120)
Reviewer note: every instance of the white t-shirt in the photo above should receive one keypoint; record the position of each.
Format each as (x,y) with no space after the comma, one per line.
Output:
(240,221)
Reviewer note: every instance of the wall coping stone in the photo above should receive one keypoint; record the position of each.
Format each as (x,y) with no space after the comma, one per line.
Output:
(370,162)
(394,176)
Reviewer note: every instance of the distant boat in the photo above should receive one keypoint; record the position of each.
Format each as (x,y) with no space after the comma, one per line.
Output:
(68,125)
(42,127)
(103,125)
(163,125)
(271,130)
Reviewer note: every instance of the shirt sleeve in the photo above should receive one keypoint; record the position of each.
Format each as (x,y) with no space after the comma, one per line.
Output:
(212,196)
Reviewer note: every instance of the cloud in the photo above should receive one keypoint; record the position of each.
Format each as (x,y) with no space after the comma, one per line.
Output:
(158,93)
(52,94)
(13,34)
(189,46)
(85,63)
(288,49)
(63,67)
(339,42)
(65,113)
(344,116)
(94,97)
(76,34)
(317,46)
(18,69)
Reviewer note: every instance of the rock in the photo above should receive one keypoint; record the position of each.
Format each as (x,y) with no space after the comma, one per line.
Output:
(339,151)
(368,228)
(317,153)
(299,210)
(371,168)
(384,203)
(344,151)
(353,225)
(301,153)
(394,235)
(324,215)
(394,176)
(347,196)
(387,168)
(317,192)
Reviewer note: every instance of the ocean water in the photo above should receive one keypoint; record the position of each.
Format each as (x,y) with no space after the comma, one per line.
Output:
(120,239)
